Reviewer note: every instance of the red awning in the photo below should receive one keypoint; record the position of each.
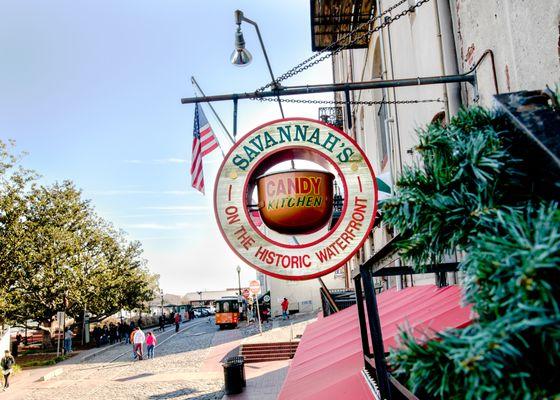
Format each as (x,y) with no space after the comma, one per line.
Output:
(329,359)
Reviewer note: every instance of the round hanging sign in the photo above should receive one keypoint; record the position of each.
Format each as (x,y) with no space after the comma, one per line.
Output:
(295,203)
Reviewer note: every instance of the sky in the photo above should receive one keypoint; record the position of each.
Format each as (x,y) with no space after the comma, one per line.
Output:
(91,90)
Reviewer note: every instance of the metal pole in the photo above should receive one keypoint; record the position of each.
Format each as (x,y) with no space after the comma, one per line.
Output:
(58,337)
(258,313)
(234,116)
(195,83)
(239,15)
(362,316)
(239,279)
(84,326)
(376,334)
(469,77)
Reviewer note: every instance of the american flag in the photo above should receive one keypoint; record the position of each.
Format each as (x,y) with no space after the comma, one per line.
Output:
(204,141)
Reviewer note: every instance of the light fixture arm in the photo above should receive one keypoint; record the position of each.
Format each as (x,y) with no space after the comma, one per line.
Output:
(239,18)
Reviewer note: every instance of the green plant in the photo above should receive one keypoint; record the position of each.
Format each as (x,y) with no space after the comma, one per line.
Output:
(466,172)
(44,363)
(512,350)
(471,193)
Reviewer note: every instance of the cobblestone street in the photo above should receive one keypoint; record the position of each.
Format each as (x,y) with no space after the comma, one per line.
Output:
(187,365)
(173,373)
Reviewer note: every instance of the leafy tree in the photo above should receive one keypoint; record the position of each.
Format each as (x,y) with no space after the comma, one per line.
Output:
(57,254)
(14,180)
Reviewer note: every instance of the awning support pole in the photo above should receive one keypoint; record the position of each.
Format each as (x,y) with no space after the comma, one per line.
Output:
(469,77)
(376,334)
(362,316)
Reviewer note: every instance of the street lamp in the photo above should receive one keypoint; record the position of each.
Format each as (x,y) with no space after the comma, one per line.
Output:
(241,56)
(239,278)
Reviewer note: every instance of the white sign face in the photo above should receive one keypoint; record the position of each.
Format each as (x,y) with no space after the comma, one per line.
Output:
(315,140)
(255,287)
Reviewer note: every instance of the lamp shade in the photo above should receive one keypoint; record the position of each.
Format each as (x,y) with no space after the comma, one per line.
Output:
(241,57)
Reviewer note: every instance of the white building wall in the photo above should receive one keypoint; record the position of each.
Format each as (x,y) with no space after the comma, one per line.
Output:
(444,37)
(523,35)
(304,296)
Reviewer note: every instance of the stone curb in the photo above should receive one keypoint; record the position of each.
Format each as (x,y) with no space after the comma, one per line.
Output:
(52,374)
(100,351)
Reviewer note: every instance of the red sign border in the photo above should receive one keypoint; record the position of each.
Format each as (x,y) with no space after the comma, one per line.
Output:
(317,274)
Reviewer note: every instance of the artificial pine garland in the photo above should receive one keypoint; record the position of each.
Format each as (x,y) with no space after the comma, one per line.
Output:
(470,193)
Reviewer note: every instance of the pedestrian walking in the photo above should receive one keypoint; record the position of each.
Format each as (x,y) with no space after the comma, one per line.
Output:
(112,333)
(285,304)
(151,343)
(68,335)
(127,330)
(19,338)
(131,341)
(97,332)
(119,332)
(7,363)
(265,315)
(177,321)
(138,340)
(162,323)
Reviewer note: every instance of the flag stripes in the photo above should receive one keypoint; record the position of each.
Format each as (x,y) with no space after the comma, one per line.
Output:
(204,142)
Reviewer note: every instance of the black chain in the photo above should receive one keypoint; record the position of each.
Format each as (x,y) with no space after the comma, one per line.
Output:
(326,52)
(341,102)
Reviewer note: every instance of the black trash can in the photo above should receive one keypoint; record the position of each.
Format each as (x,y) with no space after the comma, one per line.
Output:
(240,360)
(234,375)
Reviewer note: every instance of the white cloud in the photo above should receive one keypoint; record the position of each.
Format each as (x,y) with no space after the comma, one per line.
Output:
(169,160)
(171,237)
(161,227)
(176,208)
(186,213)
(120,192)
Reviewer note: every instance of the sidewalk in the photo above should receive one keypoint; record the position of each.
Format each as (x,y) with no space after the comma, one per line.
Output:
(264,381)
(31,378)
(280,330)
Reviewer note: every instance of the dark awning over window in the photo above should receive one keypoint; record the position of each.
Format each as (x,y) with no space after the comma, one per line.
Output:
(332,19)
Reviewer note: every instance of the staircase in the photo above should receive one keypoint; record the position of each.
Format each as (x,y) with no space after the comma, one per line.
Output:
(262,352)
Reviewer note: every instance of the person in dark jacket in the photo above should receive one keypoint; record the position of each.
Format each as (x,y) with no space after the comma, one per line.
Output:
(7,364)
(97,332)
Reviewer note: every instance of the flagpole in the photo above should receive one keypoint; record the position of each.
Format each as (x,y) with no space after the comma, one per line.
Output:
(197,87)
(215,136)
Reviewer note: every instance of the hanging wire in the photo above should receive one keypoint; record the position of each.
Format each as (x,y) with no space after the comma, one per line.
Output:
(336,47)
(342,102)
